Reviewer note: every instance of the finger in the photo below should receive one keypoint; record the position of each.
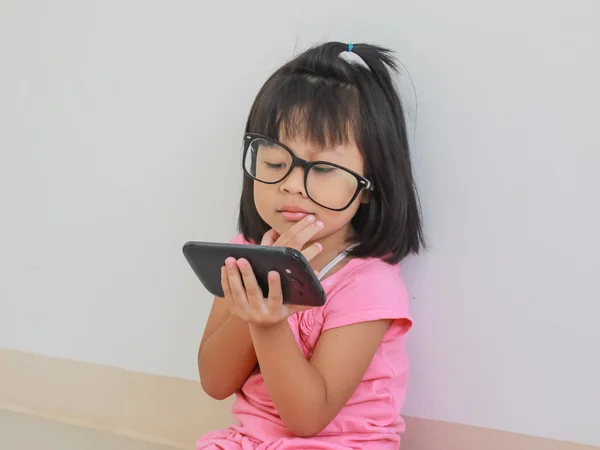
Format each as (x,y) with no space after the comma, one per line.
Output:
(254,294)
(275,299)
(227,296)
(238,293)
(294,229)
(299,240)
(270,237)
(312,251)
(225,283)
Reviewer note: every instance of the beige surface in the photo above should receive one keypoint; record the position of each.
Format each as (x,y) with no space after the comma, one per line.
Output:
(160,409)
(176,412)
(25,432)
(424,434)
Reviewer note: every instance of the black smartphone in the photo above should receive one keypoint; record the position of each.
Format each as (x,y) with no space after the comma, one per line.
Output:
(299,284)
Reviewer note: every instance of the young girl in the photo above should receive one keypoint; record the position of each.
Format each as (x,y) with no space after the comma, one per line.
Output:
(327,171)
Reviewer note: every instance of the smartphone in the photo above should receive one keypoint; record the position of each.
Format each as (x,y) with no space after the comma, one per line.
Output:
(299,284)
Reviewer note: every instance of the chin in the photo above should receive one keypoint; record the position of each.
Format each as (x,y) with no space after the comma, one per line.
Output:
(282,226)
(278,225)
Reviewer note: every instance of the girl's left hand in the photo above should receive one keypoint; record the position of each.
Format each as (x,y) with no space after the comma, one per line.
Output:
(245,298)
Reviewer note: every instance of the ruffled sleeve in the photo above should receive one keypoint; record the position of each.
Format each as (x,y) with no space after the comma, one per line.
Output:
(373,292)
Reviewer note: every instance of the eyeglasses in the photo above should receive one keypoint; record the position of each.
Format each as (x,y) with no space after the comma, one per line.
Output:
(327,184)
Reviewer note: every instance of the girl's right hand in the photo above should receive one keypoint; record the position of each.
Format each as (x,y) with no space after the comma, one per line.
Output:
(245,298)
(297,236)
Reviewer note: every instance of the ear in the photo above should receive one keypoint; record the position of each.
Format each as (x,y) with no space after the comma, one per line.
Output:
(365,197)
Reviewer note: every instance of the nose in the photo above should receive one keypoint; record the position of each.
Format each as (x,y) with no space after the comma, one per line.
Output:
(294,183)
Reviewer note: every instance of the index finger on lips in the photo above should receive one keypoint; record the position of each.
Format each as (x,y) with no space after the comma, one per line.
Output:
(283,240)
(306,234)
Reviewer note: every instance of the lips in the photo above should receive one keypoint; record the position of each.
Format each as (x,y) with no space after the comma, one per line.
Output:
(293,213)
(293,209)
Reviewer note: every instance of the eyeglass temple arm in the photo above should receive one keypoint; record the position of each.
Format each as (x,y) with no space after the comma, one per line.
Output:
(367,185)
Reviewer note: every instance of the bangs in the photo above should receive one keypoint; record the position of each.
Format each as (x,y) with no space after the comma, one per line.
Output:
(334,94)
(319,110)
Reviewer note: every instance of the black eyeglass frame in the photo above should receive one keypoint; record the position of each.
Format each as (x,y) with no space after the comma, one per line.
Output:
(363,183)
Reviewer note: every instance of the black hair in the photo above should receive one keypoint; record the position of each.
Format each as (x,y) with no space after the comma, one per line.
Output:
(329,98)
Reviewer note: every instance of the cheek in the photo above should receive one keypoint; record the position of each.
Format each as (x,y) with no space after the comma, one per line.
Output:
(264,199)
(261,196)
(335,221)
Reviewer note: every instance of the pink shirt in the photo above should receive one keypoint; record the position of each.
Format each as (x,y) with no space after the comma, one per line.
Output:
(362,290)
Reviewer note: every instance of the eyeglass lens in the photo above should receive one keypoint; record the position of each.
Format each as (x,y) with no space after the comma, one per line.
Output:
(328,185)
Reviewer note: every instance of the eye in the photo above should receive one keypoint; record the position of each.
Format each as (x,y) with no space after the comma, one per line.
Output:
(275,165)
(323,169)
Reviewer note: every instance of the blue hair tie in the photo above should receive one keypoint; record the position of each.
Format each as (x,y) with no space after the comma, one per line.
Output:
(350,47)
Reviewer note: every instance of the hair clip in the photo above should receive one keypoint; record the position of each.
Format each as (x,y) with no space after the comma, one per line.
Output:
(350,47)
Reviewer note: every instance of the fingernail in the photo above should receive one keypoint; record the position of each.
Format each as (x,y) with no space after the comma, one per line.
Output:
(319,246)
(320,224)
(310,218)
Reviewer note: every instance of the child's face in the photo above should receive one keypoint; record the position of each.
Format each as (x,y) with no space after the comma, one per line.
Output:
(273,201)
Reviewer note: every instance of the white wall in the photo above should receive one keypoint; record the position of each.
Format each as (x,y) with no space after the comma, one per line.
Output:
(120,125)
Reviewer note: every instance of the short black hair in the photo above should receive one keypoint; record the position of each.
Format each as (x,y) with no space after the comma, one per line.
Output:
(329,98)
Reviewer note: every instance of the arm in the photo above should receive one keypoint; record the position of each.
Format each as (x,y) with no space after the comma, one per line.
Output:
(309,394)
(226,356)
